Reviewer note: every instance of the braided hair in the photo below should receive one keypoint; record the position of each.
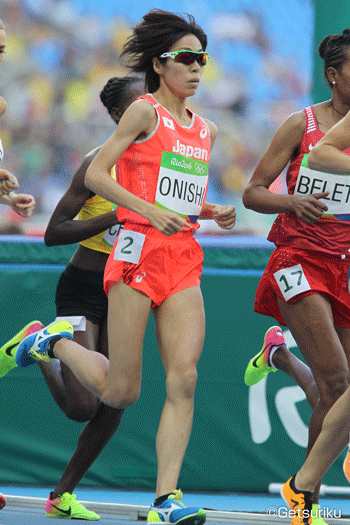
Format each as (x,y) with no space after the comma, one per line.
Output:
(333,50)
(115,93)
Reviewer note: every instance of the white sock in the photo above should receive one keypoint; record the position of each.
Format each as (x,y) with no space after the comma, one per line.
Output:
(272,351)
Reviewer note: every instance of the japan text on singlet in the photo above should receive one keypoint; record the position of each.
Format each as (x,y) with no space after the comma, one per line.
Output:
(331,233)
(93,207)
(169,168)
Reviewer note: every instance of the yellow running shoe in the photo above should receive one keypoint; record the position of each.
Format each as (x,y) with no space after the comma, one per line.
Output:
(8,350)
(300,502)
(258,367)
(67,507)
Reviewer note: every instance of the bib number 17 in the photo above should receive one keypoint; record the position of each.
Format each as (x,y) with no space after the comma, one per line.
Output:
(291,281)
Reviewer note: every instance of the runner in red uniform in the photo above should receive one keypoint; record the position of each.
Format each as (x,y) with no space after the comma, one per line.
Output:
(331,155)
(298,242)
(304,285)
(162,149)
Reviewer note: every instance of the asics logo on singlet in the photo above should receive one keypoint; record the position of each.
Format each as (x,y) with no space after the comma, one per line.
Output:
(139,277)
(190,151)
(310,147)
(204,132)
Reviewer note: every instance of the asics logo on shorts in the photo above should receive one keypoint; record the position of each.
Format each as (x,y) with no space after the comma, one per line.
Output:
(139,277)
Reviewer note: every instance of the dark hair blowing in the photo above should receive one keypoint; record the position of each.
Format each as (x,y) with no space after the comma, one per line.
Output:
(156,34)
(115,92)
(333,49)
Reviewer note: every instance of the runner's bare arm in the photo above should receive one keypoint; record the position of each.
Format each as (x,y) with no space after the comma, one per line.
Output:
(283,147)
(137,121)
(328,154)
(62,228)
(213,130)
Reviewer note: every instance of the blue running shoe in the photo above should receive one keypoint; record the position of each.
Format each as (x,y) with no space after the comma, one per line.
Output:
(8,350)
(34,347)
(173,511)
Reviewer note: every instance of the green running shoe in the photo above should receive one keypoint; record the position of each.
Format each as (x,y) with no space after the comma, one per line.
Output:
(8,350)
(258,367)
(67,507)
(316,515)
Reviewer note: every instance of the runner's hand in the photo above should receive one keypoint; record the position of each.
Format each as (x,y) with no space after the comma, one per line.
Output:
(166,222)
(309,208)
(224,216)
(23,204)
(8,182)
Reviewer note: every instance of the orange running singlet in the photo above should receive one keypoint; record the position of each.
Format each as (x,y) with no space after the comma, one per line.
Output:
(169,168)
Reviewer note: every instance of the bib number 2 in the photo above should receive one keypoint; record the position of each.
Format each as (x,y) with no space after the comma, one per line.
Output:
(129,246)
(291,281)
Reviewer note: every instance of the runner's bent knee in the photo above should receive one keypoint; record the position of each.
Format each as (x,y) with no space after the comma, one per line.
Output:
(82,411)
(121,395)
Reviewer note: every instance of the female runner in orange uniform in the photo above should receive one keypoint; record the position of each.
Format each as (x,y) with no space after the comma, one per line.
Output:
(162,150)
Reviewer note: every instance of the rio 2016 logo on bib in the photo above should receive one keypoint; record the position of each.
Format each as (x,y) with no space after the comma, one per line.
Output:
(182,184)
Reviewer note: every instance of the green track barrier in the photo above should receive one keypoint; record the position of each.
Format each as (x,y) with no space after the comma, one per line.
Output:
(242,438)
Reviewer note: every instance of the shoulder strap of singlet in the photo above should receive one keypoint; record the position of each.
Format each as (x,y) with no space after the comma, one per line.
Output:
(311,122)
(150,98)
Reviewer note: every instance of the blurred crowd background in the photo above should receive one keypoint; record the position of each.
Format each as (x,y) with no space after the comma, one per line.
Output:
(60,53)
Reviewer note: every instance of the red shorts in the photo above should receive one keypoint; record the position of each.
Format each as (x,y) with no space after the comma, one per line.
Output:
(292,274)
(153,263)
